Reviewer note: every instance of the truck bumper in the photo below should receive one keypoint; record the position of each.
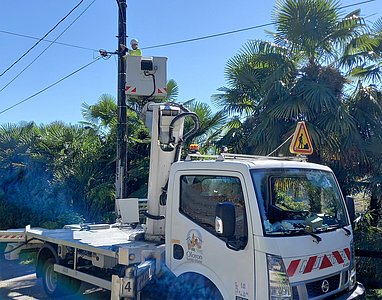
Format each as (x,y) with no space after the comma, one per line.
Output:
(358,293)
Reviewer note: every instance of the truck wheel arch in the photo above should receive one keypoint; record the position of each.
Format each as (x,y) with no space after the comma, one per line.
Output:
(191,284)
(54,286)
(46,252)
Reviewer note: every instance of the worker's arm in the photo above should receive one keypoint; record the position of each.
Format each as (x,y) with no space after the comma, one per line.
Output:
(123,49)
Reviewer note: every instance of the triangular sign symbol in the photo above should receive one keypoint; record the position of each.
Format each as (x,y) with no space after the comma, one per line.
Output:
(301,143)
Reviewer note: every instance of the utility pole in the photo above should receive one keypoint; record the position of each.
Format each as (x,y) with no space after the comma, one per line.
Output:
(122,164)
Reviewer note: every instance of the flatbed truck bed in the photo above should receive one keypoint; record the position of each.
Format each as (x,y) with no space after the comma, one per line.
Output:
(103,246)
(104,239)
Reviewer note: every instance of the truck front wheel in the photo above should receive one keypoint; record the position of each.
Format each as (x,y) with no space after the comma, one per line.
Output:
(55,284)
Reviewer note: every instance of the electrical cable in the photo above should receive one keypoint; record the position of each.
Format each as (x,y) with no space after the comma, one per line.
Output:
(190,133)
(177,42)
(6,70)
(359,3)
(23,70)
(150,47)
(49,41)
(150,216)
(235,31)
(208,36)
(154,85)
(48,87)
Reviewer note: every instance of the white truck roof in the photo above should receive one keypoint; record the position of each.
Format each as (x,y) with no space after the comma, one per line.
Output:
(237,162)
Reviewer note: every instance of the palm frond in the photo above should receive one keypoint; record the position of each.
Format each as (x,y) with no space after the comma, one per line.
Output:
(377,26)
(290,110)
(372,73)
(318,96)
(172,90)
(346,29)
(103,113)
(358,51)
(234,101)
(305,23)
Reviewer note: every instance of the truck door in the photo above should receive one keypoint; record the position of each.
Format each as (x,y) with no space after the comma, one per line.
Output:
(193,244)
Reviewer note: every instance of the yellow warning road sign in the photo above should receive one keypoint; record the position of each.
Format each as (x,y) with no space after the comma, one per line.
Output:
(301,143)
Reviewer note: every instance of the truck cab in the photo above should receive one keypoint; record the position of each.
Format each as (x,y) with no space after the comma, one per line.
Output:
(259,228)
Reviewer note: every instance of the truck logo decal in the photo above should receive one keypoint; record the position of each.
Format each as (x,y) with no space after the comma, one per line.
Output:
(307,265)
(325,286)
(194,246)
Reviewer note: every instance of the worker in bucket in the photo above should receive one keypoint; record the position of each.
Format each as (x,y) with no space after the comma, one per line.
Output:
(134,51)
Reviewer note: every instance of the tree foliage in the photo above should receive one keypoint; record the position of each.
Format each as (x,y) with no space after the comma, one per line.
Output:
(323,67)
(59,173)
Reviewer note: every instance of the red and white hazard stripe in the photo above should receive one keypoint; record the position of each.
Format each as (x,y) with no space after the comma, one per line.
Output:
(162,91)
(304,266)
(130,89)
(11,236)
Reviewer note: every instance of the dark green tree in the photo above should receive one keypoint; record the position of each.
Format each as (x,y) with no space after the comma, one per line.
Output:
(27,184)
(318,68)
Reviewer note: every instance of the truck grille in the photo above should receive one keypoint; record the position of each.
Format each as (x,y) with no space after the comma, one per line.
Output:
(314,288)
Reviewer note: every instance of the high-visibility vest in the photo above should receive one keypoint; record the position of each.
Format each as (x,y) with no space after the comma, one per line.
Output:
(136,52)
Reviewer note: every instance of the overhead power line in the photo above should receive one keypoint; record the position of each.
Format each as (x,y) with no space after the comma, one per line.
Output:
(6,70)
(358,3)
(50,86)
(49,41)
(23,70)
(208,36)
(235,31)
(150,47)
(177,42)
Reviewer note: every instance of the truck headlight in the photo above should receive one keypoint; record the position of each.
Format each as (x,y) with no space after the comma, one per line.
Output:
(278,282)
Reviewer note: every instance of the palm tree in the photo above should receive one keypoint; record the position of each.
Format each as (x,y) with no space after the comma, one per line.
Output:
(362,57)
(16,143)
(318,68)
(297,77)
(101,116)
(210,124)
(314,29)
(27,179)
(80,164)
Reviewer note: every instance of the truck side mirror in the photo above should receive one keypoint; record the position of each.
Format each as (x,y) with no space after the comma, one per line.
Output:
(225,219)
(351,208)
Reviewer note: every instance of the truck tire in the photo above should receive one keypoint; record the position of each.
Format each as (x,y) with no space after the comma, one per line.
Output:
(55,284)
(193,287)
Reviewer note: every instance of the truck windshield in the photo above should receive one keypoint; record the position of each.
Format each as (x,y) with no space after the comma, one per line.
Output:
(298,201)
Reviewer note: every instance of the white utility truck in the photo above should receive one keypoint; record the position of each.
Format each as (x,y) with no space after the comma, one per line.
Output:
(224,227)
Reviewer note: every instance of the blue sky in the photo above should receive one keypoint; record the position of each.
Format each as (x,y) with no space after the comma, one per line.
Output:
(197,67)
